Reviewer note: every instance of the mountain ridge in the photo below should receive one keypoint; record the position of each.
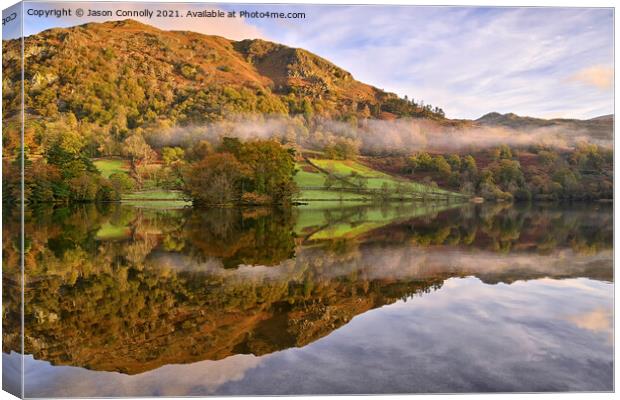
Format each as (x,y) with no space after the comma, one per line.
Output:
(600,127)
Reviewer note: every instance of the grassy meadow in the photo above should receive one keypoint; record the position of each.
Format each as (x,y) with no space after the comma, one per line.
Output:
(352,181)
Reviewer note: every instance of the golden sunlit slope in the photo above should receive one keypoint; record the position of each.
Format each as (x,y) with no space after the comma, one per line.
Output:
(106,73)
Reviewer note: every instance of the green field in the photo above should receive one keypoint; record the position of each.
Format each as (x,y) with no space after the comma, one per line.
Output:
(150,195)
(310,179)
(307,178)
(109,166)
(154,195)
(375,179)
(155,199)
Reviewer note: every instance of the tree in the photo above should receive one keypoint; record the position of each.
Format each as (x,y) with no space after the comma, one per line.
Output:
(171,155)
(421,161)
(342,149)
(272,169)
(231,145)
(358,179)
(259,171)
(508,172)
(121,183)
(455,162)
(215,179)
(469,165)
(139,153)
(84,187)
(467,188)
(547,158)
(329,181)
(567,180)
(365,113)
(199,151)
(441,165)
(505,152)
(307,109)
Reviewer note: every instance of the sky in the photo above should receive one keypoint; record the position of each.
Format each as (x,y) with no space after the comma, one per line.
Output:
(542,62)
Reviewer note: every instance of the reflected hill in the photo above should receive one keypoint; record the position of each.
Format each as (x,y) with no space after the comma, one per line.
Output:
(128,290)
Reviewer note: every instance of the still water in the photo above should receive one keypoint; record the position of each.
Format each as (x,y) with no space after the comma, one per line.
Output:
(126,301)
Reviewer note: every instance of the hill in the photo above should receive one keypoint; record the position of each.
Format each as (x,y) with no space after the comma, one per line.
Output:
(125,75)
(599,128)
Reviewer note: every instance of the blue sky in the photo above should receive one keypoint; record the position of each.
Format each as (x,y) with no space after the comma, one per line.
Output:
(545,62)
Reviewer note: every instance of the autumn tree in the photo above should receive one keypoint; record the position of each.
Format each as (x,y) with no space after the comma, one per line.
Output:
(272,168)
(139,153)
(215,179)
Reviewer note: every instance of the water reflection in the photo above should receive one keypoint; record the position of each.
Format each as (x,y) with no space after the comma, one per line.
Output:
(263,296)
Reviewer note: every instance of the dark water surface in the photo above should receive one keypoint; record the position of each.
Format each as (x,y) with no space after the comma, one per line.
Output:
(397,299)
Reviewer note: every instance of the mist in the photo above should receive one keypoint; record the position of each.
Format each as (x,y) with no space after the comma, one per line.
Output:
(373,136)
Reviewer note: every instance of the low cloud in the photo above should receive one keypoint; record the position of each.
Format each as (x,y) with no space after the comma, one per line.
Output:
(374,136)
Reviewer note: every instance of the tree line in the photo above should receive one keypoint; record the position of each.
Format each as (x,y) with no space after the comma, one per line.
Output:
(233,172)
(506,173)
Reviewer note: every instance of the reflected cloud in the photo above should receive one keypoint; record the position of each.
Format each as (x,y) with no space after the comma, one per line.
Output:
(597,320)
(204,377)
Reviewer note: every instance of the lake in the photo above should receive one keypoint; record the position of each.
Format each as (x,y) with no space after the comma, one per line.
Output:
(327,298)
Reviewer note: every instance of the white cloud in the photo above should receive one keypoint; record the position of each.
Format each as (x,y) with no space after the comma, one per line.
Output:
(469,61)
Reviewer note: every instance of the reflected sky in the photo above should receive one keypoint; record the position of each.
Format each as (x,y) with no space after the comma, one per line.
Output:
(467,336)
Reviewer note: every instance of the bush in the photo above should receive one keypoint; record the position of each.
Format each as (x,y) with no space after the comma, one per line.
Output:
(121,183)
(84,187)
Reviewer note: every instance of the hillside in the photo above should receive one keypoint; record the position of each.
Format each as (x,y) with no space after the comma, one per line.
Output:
(600,128)
(124,75)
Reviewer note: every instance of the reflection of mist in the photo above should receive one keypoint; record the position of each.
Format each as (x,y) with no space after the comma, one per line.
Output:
(595,320)
(201,378)
(408,262)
